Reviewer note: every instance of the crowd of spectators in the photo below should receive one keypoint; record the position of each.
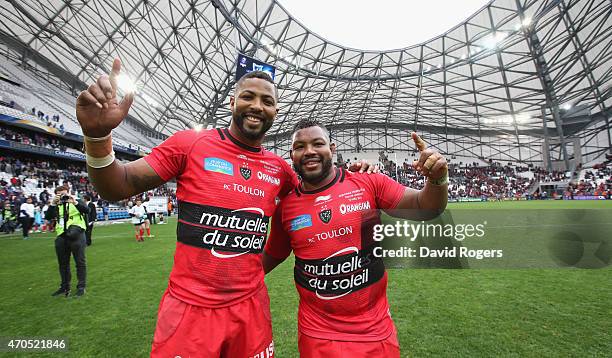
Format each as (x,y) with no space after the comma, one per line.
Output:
(473,181)
(40,173)
(30,138)
(498,181)
(596,182)
(23,177)
(545,176)
(36,179)
(53,121)
(495,181)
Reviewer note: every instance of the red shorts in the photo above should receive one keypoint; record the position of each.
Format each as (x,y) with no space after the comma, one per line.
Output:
(310,347)
(240,330)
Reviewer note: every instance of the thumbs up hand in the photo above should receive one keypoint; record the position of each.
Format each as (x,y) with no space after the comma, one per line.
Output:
(431,163)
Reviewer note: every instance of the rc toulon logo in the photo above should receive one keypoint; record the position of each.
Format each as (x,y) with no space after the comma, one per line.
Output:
(325,215)
(245,172)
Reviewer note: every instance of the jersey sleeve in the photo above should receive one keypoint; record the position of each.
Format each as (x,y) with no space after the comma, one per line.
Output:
(168,159)
(387,191)
(278,245)
(291,180)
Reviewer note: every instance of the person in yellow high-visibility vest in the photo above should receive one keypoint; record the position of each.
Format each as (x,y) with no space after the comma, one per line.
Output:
(70,229)
(9,220)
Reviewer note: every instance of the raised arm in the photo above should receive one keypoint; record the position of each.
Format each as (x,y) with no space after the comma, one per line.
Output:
(99,112)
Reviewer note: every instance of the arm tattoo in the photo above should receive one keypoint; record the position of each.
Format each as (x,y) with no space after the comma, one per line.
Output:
(139,183)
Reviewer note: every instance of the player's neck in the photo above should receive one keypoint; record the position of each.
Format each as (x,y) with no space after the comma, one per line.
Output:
(236,133)
(331,175)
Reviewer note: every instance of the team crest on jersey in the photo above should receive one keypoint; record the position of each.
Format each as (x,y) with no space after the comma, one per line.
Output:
(325,215)
(245,171)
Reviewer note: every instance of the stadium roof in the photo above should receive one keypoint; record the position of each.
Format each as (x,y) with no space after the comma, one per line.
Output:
(491,79)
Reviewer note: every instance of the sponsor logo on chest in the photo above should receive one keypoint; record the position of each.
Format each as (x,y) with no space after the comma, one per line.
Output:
(226,232)
(322,199)
(300,222)
(268,178)
(218,165)
(351,208)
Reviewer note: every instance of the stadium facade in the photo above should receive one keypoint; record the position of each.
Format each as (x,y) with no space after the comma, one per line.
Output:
(524,81)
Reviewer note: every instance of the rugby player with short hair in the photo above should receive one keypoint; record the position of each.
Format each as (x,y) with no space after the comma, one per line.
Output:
(328,222)
(216,304)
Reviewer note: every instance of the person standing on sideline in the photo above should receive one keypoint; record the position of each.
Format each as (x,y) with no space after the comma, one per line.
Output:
(38,220)
(138,214)
(8,219)
(91,218)
(26,217)
(70,227)
(150,217)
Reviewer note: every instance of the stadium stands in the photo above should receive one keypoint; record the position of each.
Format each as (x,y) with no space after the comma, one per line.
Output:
(31,98)
(474,178)
(593,182)
(22,177)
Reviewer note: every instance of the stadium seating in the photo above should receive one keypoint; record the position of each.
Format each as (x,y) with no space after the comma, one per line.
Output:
(23,177)
(476,178)
(35,93)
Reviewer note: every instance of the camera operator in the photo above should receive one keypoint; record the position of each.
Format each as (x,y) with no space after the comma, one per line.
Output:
(71,218)
(8,219)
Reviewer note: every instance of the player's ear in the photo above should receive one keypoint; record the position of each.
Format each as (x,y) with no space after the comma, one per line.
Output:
(291,154)
(232,100)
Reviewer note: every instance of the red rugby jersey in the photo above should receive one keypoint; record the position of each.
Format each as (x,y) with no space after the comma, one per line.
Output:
(342,286)
(227,191)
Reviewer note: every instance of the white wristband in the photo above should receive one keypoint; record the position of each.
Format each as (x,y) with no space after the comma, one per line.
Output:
(98,163)
(100,139)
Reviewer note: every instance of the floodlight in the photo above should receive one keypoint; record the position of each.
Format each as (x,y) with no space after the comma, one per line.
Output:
(526,22)
(126,84)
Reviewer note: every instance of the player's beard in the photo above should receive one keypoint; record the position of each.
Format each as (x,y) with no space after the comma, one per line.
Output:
(252,133)
(314,178)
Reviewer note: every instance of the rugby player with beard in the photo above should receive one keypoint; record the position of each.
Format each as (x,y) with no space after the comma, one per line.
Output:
(216,303)
(327,221)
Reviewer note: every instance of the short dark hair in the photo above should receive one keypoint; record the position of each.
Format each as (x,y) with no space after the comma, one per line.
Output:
(257,74)
(61,188)
(307,123)
(87,197)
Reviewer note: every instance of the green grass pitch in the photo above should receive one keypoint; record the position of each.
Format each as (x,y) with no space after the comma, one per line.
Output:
(438,312)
